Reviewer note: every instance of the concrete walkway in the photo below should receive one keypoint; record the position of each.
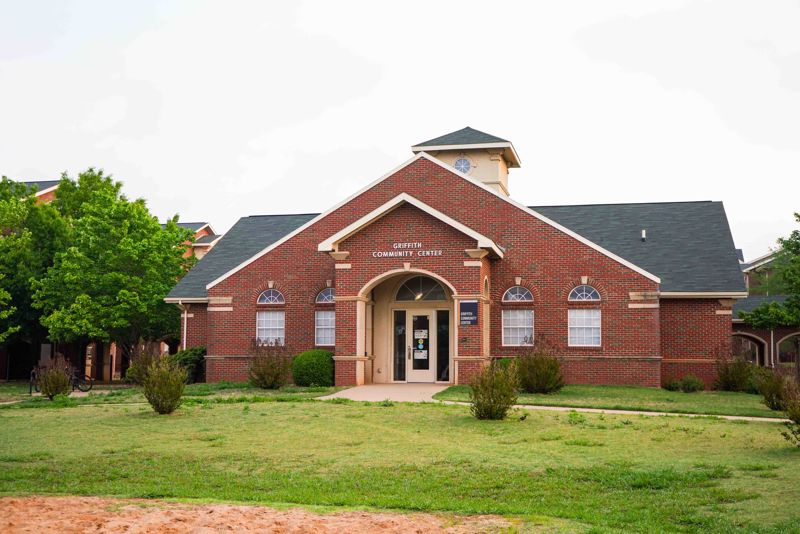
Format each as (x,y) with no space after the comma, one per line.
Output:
(425,393)
(392,392)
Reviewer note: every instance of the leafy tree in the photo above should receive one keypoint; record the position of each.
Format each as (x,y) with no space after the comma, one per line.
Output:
(109,284)
(784,279)
(5,312)
(32,233)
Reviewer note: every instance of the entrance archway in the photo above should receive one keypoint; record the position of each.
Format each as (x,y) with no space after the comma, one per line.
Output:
(410,327)
(788,352)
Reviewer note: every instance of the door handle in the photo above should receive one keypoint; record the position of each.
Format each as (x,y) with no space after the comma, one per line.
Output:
(408,353)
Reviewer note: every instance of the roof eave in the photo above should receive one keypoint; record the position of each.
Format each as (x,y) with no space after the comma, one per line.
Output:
(185,300)
(703,294)
(509,152)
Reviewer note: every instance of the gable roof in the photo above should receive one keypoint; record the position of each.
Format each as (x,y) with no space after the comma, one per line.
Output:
(464,136)
(474,181)
(205,240)
(193,226)
(688,244)
(42,186)
(760,261)
(247,237)
(333,241)
(754,301)
(469,138)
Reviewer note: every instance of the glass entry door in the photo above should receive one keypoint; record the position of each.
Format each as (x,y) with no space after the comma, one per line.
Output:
(421,346)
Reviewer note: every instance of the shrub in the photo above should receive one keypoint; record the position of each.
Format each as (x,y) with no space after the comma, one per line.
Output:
(194,361)
(163,385)
(539,370)
(55,377)
(690,384)
(774,388)
(734,374)
(494,391)
(140,363)
(792,410)
(313,368)
(672,384)
(270,366)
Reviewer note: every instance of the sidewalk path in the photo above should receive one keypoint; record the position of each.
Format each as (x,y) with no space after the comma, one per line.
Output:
(425,393)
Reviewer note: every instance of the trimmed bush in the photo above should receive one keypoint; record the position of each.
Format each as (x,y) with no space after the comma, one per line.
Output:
(270,366)
(734,375)
(539,370)
(313,368)
(163,385)
(140,363)
(691,384)
(672,384)
(194,361)
(494,391)
(55,377)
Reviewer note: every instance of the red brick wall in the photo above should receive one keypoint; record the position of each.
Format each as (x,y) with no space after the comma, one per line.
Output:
(549,261)
(197,327)
(230,369)
(693,335)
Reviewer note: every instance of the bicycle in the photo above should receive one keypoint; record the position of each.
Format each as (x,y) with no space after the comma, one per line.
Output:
(81,384)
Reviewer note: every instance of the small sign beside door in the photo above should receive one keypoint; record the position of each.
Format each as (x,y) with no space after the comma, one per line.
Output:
(468,312)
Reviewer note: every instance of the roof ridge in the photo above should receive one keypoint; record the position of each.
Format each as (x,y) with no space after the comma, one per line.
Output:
(625,204)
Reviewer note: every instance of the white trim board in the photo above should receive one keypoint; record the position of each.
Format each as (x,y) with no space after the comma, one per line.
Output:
(332,243)
(473,181)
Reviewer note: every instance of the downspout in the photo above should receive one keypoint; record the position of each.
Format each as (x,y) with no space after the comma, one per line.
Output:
(772,348)
(185,321)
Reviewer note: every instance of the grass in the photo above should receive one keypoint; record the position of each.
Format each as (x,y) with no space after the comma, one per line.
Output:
(194,394)
(586,472)
(12,391)
(638,398)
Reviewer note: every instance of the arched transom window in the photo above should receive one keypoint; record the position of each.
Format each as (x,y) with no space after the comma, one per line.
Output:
(584,293)
(421,288)
(326,296)
(271,296)
(517,294)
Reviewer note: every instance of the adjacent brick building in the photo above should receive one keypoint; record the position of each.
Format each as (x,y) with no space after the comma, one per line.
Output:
(433,270)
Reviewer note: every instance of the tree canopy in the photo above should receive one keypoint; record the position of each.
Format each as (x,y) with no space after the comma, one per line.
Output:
(90,265)
(784,279)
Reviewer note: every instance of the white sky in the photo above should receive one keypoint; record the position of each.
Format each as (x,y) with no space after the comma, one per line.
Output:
(216,110)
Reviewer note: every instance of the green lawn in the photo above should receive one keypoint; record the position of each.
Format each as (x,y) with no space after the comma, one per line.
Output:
(11,391)
(638,398)
(579,472)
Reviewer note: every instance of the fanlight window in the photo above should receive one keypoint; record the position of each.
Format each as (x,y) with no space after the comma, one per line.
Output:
(584,293)
(517,294)
(271,296)
(326,296)
(421,288)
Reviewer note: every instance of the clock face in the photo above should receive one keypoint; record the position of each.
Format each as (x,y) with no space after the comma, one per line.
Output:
(462,165)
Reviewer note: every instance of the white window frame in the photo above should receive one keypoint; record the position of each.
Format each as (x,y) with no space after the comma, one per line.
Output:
(518,294)
(507,313)
(584,327)
(278,326)
(584,293)
(318,328)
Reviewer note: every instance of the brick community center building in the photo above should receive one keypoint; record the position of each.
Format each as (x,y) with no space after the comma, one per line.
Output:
(432,270)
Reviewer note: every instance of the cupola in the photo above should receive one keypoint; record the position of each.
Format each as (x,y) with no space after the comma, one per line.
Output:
(482,156)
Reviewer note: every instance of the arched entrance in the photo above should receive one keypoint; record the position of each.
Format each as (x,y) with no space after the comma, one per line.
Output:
(788,353)
(749,347)
(410,329)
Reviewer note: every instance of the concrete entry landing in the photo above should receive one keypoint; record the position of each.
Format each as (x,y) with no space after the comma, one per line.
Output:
(393,392)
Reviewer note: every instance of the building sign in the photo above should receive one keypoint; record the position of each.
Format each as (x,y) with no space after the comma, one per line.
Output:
(406,250)
(468,312)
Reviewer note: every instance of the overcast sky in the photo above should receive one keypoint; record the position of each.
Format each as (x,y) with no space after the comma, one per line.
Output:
(216,110)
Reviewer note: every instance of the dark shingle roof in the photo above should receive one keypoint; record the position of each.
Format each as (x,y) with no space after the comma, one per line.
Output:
(247,238)
(754,301)
(42,185)
(193,226)
(206,239)
(689,244)
(465,136)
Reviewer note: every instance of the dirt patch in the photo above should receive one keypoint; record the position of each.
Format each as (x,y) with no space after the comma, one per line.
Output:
(94,514)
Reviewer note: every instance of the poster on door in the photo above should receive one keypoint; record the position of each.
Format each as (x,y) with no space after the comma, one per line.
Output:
(420,354)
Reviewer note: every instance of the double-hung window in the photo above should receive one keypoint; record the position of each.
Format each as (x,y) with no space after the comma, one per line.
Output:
(517,327)
(271,326)
(584,328)
(325,328)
